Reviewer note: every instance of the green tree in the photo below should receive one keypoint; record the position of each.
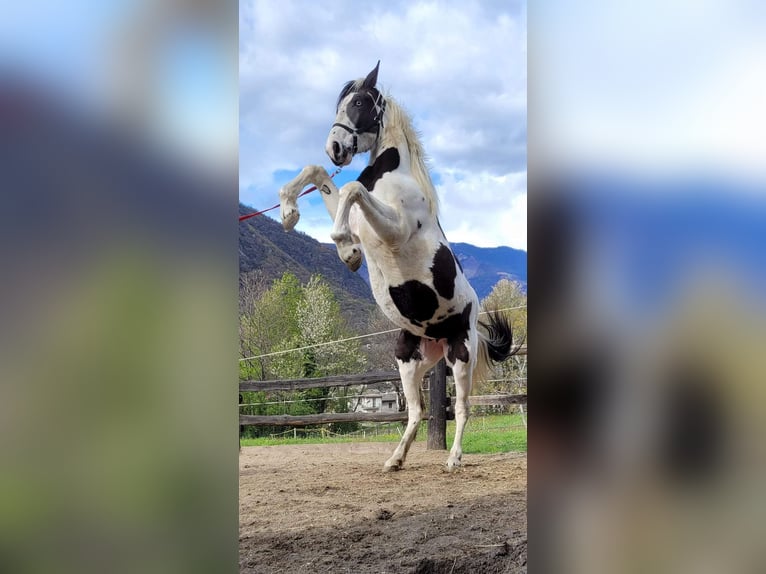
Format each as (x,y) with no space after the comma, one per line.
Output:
(315,319)
(252,286)
(289,316)
(380,348)
(319,321)
(268,324)
(510,296)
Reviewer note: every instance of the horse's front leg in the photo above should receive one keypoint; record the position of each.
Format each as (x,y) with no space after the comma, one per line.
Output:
(346,242)
(383,219)
(386,221)
(288,195)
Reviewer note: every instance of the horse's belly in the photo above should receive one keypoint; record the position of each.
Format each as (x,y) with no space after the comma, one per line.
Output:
(416,307)
(420,286)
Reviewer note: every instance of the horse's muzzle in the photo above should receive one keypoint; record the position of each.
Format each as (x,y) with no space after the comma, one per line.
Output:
(339,155)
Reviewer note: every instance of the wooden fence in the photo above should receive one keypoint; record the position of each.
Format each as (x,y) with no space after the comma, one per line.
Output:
(437,415)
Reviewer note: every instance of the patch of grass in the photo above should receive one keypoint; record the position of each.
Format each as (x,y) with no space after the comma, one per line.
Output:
(492,434)
(489,442)
(483,435)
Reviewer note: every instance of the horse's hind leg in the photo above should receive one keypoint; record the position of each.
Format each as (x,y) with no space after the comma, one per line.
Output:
(413,364)
(463,373)
(411,373)
(288,195)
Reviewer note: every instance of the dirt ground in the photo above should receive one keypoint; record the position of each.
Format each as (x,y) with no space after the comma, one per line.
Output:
(330,508)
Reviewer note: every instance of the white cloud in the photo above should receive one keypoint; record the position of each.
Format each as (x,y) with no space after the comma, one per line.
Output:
(682,91)
(484,209)
(459,68)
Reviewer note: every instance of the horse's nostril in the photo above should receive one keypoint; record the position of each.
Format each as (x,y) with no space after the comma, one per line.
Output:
(335,149)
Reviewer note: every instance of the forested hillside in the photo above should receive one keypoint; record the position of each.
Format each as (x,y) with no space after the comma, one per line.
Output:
(265,246)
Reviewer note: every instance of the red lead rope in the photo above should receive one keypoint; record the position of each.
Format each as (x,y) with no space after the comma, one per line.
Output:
(309,190)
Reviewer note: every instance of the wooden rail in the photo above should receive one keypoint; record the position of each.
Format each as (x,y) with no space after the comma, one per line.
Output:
(496,400)
(437,424)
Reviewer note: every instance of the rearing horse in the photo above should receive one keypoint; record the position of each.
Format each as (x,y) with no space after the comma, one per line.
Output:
(391,215)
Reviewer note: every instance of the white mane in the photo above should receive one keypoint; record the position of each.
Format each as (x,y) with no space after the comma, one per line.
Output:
(398,131)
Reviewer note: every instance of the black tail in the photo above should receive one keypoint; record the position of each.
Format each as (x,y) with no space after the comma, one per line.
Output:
(499,337)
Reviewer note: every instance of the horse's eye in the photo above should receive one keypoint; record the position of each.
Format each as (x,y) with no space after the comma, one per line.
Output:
(358,103)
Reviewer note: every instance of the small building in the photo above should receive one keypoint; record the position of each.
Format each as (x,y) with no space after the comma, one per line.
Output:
(379,401)
(371,401)
(389,403)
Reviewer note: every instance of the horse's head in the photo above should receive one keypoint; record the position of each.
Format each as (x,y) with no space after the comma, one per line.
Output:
(358,119)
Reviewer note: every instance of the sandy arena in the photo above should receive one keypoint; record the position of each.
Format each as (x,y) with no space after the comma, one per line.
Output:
(330,508)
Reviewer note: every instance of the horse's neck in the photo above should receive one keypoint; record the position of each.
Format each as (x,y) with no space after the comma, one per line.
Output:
(410,159)
(392,137)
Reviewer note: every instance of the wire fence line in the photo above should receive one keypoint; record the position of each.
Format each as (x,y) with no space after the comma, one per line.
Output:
(357,337)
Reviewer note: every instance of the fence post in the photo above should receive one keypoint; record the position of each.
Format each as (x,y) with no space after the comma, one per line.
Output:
(241,427)
(437,398)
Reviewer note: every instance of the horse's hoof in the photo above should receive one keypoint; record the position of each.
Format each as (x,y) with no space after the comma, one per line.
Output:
(453,463)
(288,208)
(392,467)
(351,255)
(354,263)
(290,217)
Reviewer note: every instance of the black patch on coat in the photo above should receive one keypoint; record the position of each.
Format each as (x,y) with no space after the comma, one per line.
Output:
(451,327)
(361,108)
(387,161)
(458,350)
(455,329)
(344,92)
(444,272)
(408,347)
(415,300)
(419,224)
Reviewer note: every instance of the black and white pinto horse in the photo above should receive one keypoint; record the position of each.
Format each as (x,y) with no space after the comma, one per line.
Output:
(391,215)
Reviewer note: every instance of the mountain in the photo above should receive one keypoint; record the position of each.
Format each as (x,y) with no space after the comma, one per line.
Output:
(484,266)
(264,245)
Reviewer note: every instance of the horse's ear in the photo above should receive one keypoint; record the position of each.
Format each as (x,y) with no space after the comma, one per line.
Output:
(372,77)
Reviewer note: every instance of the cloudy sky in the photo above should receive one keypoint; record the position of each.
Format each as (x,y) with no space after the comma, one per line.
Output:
(459,68)
(667,86)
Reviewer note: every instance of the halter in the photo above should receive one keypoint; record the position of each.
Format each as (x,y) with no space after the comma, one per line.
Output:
(374,127)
